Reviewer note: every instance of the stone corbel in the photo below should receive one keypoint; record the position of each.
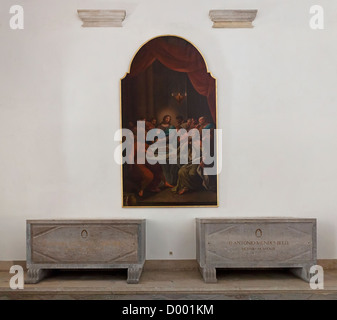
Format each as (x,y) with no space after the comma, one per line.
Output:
(102,18)
(232,18)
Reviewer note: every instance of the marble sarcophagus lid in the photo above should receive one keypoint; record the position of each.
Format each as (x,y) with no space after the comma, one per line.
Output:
(85,244)
(256,243)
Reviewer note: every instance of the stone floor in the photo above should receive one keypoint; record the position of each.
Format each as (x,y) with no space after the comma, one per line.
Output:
(182,284)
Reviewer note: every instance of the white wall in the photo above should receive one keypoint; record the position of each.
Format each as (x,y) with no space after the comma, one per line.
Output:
(59,109)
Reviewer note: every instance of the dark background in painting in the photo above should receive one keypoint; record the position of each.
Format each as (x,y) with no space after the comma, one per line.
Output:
(149,95)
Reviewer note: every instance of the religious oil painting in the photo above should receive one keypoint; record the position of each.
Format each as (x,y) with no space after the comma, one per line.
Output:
(168,118)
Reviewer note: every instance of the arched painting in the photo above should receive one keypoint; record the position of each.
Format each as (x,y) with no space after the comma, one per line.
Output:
(168,105)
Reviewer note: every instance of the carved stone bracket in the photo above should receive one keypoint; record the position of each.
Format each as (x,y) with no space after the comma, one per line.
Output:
(208,274)
(232,18)
(134,273)
(102,18)
(35,275)
(303,273)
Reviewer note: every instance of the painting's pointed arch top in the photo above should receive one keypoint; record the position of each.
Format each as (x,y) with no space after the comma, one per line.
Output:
(180,55)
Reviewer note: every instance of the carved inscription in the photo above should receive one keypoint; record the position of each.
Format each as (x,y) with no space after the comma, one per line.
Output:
(258,245)
(258,242)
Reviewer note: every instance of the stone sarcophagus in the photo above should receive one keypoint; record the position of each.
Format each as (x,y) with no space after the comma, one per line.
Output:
(256,243)
(85,244)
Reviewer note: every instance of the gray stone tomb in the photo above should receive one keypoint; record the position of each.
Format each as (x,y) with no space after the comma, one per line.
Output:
(256,243)
(85,244)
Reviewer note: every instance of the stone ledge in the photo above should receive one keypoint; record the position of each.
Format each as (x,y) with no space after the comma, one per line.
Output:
(239,285)
(232,18)
(6,265)
(172,265)
(102,18)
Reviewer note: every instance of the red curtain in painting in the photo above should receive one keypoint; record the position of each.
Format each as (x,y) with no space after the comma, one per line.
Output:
(185,58)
